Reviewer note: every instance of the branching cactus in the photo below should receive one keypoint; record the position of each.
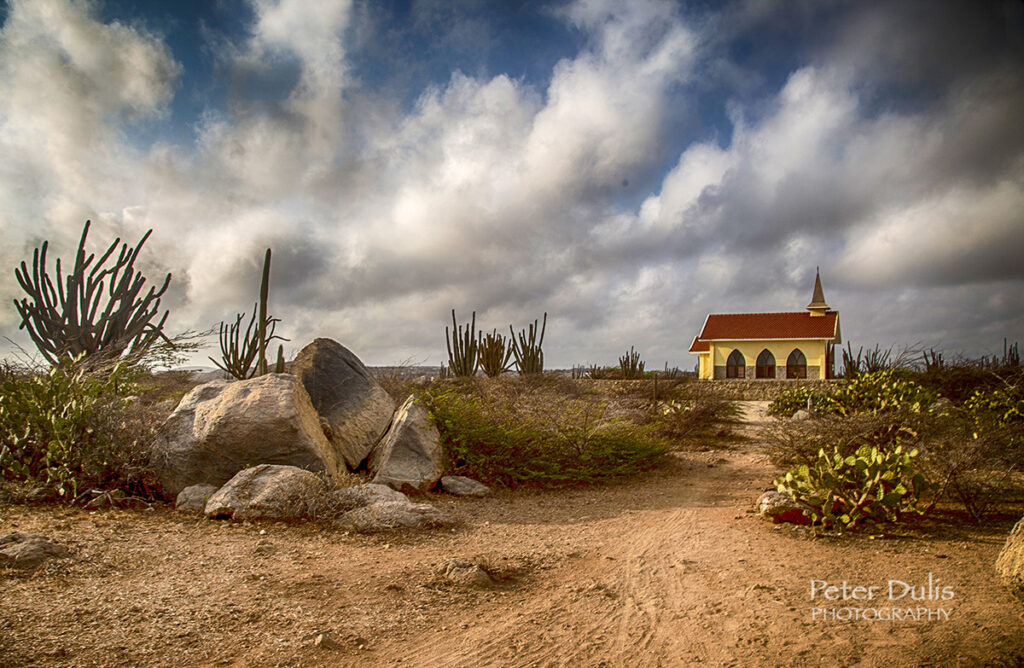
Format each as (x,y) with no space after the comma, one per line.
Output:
(463,347)
(631,364)
(527,348)
(246,356)
(495,353)
(77,320)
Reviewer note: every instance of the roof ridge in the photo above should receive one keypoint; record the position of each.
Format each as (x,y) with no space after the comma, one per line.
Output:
(768,313)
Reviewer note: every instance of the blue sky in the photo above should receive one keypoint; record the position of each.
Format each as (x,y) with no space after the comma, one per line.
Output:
(625,167)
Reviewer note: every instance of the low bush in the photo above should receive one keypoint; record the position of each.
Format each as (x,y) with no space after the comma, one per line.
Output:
(975,451)
(795,399)
(698,418)
(794,442)
(885,390)
(871,484)
(68,431)
(536,431)
(957,383)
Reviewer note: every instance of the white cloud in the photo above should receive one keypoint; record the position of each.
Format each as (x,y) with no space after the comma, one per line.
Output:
(496,194)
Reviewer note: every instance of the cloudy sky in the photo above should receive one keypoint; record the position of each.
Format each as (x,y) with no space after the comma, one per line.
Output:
(625,167)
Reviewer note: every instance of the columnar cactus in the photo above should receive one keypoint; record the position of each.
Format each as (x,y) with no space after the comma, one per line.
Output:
(527,349)
(68,323)
(463,348)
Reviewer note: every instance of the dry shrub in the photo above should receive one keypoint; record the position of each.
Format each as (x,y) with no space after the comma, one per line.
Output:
(536,430)
(71,431)
(793,442)
(971,462)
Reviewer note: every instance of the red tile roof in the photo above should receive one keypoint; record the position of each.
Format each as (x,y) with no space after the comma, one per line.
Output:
(757,326)
(699,346)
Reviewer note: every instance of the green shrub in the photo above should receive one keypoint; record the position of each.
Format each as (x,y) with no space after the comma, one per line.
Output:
(884,390)
(868,485)
(867,392)
(67,430)
(523,433)
(1000,412)
(792,400)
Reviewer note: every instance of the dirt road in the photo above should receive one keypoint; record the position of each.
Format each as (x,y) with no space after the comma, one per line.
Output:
(669,569)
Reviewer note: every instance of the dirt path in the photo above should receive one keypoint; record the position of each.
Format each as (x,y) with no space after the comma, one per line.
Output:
(671,569)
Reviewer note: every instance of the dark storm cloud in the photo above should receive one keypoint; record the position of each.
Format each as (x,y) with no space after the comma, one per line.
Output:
(625,167)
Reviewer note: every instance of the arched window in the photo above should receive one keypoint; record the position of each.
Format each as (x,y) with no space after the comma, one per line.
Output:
(765,364)
(796,365)
(736,366)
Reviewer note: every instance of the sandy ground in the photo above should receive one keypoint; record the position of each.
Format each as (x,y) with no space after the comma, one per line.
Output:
(672,568)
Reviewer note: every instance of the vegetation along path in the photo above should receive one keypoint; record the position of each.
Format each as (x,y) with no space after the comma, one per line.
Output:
(671,568)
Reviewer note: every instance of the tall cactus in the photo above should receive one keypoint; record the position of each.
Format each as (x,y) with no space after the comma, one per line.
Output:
(463,348)
(527,349)
(68,323)
(279,367)
(246,356)
(631,364)
(495,353)
(261,362)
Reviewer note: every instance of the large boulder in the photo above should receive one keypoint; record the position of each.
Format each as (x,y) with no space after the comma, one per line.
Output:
(1010,564)
(268,492)
(354,405)
(222,427)
(409,457)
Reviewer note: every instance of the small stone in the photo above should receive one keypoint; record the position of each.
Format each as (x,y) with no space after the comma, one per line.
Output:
(465,573)
(781,507)
(25,550)
(462,486)
(324,641)
(194,497)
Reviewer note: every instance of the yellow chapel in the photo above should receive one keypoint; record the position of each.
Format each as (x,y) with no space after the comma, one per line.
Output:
(788,345)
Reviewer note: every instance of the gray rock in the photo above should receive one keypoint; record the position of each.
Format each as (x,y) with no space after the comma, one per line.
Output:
(409,457)
(194,497)
(26,550)
(1010,563)
(357,496)
(463,486)
(222,427)
(801,415)
(390,515)
(357,409)
(781,507)
(941,405)
(268,492)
